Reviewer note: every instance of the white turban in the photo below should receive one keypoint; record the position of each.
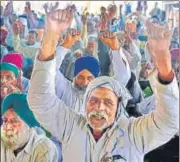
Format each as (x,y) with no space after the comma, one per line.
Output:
(110,83)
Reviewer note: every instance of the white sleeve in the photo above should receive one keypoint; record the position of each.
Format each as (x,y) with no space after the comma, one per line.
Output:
(121,69)
(158,127)
(49,110)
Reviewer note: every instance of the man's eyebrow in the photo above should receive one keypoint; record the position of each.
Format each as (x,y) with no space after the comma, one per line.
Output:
(94,97)
(80,75)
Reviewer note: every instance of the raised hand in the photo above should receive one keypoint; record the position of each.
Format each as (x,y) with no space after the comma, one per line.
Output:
(84,19)
(146,70)
(56,23)
(128,35)
(110,39)
(104,22)
(71,38)
(8,9)
(16,28)
(159,38)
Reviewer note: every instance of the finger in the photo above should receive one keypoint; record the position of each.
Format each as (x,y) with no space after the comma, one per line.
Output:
(69,16)
(109,35)
(74,32)
(63,18)
(68,36)
(70,31)
(78,37)
(105,34)
(53,15)
(114,35)
(78,32)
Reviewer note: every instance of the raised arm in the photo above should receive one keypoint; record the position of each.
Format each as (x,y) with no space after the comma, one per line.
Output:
(133,49)
(48,109)
(120,63)
(158,127)
(84,29)
(63,85)
(8,11)
(20,46)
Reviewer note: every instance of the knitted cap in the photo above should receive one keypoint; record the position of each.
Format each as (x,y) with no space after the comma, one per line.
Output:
(13,58)
(9,67)
(19,103)
(89,63)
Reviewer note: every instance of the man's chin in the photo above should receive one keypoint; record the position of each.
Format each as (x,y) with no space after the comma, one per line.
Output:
(81,88)
(98,125)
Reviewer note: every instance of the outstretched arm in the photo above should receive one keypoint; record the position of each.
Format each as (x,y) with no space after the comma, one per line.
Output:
(158,127)
(62,83)
(120,63)
(51,112)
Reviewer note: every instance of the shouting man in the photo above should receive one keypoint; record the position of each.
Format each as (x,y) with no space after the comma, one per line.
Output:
(105,133)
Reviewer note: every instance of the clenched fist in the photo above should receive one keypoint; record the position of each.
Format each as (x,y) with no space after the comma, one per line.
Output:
(110,39)
(71,38)
(17,26)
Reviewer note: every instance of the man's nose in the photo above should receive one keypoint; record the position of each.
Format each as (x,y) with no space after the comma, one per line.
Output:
(101,106)
(8,126)
(85,82)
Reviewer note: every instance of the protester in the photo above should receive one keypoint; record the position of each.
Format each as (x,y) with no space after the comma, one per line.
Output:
(68,50)
(11,65)
(85,69)
(19,139)
(27,47)
(105,129)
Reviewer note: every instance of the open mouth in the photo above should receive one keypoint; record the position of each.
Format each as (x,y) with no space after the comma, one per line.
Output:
(98,117)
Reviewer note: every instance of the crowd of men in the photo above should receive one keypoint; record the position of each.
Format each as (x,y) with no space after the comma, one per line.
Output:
(80,87)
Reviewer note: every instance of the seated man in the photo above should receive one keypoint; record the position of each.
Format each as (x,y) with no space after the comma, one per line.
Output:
(12,63)
(105,133)
(19,139)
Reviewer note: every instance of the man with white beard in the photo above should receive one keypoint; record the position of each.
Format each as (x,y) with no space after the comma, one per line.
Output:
(19,139)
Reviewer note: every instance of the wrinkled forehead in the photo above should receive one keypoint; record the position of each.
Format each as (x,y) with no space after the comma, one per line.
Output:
(10,113)
(103,92)
(7,73)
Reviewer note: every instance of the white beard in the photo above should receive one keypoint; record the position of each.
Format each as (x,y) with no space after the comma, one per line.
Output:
(14,140)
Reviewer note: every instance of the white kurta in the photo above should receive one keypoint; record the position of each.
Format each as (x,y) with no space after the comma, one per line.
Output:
(38,149)
(128,140)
